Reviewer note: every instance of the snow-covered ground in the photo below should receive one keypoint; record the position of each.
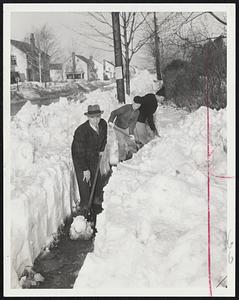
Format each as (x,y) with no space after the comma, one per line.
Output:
(43,183)
(153,231)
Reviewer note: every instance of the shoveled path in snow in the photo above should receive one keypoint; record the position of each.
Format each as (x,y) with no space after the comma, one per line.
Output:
(61,263)
(60,266)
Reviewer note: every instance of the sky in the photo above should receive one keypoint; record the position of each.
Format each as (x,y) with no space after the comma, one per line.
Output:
(65,27)
(72,30)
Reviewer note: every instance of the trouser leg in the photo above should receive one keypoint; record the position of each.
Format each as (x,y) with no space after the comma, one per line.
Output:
(122,145)
(150,132)
(84,188)
(141,133)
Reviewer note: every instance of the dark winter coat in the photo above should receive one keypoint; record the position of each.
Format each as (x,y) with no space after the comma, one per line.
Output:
(147,109)
(87,144)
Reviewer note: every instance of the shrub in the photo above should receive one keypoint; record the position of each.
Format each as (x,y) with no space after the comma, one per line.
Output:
(187,83)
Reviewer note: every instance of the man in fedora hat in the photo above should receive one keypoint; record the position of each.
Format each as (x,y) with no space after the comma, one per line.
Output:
(145,129)
(88,145)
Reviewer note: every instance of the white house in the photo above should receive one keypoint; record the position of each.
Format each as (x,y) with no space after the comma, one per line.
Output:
(82,68)
(75,67)
(99,69)
(109,70)
(18,62)
(56,72)
(28,62)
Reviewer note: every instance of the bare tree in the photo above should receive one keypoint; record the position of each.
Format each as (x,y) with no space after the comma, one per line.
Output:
(47,42)
(131,35)
(181,32)
(133,40)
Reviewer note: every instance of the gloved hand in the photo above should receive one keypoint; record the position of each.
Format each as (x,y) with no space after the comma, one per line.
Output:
(131,136)
(111,124)
(101,153)
(86,176)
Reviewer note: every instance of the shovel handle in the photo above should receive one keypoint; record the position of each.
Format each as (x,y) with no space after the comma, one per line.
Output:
(94,183)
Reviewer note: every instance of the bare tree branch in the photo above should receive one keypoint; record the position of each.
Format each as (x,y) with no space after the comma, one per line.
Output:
(131,29)
(108,35)
(100,19)
(217,18)
(89,37)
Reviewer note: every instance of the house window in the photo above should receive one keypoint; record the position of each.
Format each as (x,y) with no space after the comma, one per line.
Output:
(79,76)
(75,76)
(13,60)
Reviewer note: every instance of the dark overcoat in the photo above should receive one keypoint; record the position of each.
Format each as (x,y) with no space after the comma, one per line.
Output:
(85,149)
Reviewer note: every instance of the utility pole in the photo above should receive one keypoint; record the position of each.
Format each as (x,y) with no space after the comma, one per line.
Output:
(39,66)
(118,58)
(157,52)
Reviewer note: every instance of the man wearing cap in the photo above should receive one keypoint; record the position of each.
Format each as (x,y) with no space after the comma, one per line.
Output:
(145,128)
(123,120)
(88,145)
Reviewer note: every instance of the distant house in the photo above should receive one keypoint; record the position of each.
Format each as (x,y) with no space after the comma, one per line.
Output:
(28,62)
(99,69)
(56,72)
(108,69)
(80,67)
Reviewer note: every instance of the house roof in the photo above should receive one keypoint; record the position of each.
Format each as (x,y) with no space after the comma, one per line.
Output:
(86,60)
(25,47)
(56,66)
(97,61)
(109,62)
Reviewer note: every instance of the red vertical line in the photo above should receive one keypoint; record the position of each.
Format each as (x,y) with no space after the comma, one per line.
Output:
(208,182)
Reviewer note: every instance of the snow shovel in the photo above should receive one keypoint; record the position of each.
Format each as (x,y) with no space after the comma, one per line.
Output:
(81,228)
(94,184)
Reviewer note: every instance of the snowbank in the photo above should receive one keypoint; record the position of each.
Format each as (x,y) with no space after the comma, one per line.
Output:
(43,184)
(153,233)
(154,227)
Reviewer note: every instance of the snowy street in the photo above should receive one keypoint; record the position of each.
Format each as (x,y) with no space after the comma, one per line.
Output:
(154,224)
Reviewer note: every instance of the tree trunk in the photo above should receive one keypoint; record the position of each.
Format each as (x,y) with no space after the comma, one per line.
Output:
(127,76)
(157,53)
(118,57)
(127,73)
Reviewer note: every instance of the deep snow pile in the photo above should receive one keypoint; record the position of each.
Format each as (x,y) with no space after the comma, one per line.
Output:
(153,233)
(43,183)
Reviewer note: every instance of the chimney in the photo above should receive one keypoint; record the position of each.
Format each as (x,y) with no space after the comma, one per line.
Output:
(91,57)
(32,41)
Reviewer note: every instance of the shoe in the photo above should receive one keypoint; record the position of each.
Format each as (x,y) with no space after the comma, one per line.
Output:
(82,212)
(97,208)
(129,155)
(91,217)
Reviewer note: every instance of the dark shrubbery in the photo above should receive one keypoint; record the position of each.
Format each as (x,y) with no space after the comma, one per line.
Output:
(187,83)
